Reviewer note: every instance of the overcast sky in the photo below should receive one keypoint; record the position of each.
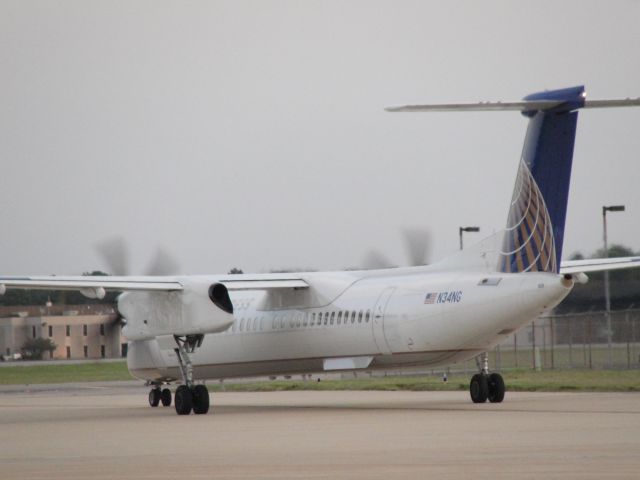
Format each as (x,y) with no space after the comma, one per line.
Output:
(253,135)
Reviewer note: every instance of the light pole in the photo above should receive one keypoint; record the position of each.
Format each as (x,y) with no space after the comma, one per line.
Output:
(607,297)
(467,229)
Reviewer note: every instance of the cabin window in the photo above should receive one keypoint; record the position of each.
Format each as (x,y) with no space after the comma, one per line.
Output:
(339,319)
(326,318)
(333,314)
(298,320)
(368,316)
(305,319)
(313,320)
(242,325)
(353,317)
(360,316)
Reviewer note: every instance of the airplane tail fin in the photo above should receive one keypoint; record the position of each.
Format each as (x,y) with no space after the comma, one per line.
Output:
(534,235)
(535,225)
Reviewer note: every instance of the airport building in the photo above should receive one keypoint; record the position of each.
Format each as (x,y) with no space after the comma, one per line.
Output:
(79,331)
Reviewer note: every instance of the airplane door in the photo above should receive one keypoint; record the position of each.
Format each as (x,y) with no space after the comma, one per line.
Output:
(378,320)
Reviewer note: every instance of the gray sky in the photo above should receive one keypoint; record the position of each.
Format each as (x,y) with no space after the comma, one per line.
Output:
(253,134)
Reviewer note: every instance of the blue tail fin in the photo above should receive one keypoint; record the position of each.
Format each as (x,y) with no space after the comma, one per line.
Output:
(535,226)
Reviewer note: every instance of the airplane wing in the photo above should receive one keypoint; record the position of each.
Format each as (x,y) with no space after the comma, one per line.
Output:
(90,282)
(99,284)
(91,286)
(599,264)
(264,284)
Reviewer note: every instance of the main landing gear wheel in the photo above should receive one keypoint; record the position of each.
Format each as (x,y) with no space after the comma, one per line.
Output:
(496,388)
(200,400)
(184,400)
(196,399)
(154,397)
(165,397)
(479,388)
(485,386)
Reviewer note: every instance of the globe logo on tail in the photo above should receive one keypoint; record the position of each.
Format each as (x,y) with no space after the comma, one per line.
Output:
(528,244)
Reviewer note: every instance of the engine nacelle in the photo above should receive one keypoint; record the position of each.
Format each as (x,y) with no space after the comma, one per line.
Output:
(201,307)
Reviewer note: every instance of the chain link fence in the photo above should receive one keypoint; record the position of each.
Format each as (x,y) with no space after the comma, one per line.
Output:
(574,340)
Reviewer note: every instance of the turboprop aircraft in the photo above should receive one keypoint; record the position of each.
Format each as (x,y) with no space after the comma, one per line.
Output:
(186,329)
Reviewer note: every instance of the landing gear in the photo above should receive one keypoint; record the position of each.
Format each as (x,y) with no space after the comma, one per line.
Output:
(479,388)
(485,386)
(200,400)
(189,396)
(154,397)
(496,388)
(158,395)
(165,397)
(184,400)
(196,399)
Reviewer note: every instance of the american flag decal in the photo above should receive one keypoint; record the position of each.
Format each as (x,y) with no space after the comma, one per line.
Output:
(430,298)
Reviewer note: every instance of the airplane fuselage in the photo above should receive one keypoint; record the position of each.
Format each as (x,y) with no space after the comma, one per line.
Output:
(426,319)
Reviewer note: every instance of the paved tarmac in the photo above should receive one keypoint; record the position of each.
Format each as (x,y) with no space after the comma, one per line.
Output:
(105,431)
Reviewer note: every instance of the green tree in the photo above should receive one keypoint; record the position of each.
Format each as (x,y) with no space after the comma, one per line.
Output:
(35,348)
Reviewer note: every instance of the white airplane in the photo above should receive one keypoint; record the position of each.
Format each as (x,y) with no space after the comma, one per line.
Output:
(187,329)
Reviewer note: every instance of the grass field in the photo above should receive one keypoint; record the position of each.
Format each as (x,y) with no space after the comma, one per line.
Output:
(81,372)
(516,380)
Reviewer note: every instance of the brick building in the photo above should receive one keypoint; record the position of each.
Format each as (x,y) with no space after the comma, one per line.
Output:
(79,331)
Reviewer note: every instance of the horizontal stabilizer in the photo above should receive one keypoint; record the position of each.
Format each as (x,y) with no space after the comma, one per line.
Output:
(477,107)
(522,106)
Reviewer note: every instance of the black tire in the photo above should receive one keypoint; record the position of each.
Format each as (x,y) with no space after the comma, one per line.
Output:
(200,400)
(479,388)
(496,388)
(183,400)
(154,397)
(165,397)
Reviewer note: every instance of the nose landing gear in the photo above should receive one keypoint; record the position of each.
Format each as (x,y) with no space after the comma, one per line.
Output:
(485,386)
(157,396)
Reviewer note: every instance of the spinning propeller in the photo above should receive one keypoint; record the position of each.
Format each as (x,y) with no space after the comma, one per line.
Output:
(417,244)
(115,253)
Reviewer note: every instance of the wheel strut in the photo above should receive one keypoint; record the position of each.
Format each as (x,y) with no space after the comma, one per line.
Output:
(189,396)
